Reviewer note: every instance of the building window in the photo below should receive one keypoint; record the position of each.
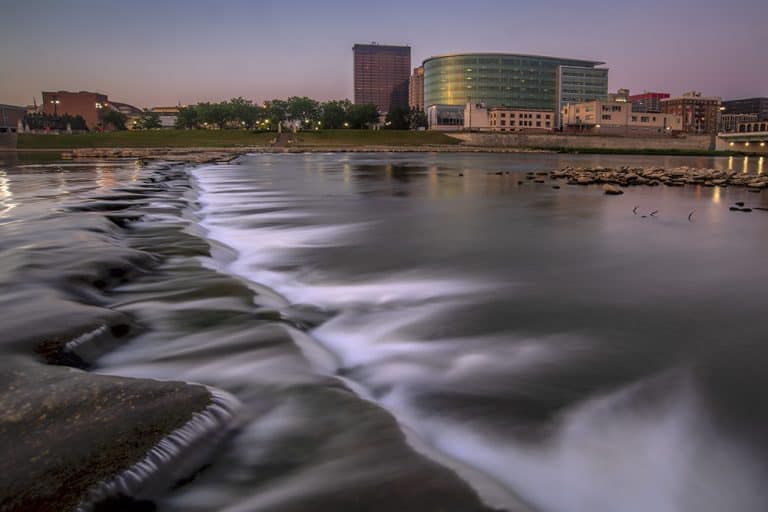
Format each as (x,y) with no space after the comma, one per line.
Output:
(538,124)
(503,123)
(503,115)
(645,119)
(606,117)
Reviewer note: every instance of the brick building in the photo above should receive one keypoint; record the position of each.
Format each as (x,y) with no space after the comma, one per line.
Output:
(382,74)
(701,114)
(416,89)
(89,105)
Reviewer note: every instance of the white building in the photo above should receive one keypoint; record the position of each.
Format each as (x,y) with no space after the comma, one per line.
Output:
(617,118)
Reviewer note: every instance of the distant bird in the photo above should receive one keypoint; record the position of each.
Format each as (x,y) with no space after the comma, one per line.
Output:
(654,212)
(634,210)
(690,215)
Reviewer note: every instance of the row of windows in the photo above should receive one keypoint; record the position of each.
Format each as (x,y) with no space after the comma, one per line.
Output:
(522,115)
(527,124)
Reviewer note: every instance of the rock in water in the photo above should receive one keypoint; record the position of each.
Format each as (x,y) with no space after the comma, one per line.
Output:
(612,190)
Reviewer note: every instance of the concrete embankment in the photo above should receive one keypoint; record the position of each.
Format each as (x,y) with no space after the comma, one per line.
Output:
(583,142)
(211,155)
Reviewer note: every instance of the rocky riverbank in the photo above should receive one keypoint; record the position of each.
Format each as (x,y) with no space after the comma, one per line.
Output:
(223,155)
(654,176)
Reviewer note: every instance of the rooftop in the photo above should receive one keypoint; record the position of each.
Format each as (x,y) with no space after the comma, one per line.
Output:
(503,54)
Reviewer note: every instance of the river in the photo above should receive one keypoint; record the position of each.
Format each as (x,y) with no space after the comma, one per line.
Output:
(429,331)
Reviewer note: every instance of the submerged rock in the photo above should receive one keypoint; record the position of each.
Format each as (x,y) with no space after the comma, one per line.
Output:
(612,190)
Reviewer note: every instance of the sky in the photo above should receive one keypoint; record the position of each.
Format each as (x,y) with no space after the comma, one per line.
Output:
(165,52)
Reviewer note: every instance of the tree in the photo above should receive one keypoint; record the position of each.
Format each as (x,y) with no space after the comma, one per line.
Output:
(276,112)
(187,118)
(418,119)
(398,118)
(362,116)
(303,110)
(243,112)
(213,114)
(115,118)
(334,113)
(148,120)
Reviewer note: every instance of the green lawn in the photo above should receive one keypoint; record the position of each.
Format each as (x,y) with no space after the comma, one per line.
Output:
(229,138)
(146,139)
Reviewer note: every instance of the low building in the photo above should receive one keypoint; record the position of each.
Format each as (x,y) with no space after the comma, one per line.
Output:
(729,123)
(701,114)
(416,89)
(447,118)
(618,119)
(648,101)
(89,105)
(11,117)
(167,115)
(479,117)
(621,96)
(756,106)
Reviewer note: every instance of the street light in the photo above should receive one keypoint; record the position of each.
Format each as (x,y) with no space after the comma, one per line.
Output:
(55,101)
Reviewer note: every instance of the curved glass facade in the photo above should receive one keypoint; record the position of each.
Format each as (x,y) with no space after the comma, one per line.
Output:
(517,81)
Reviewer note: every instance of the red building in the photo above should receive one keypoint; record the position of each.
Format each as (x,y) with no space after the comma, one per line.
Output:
(89,105)
(381,75)
(648,101)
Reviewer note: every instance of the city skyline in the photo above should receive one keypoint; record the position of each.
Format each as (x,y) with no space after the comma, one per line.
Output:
(151,54)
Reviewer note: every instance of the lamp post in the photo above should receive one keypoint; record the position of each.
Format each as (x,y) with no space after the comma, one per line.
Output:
(55,101)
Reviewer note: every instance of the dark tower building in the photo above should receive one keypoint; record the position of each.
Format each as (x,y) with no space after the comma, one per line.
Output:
(381,75)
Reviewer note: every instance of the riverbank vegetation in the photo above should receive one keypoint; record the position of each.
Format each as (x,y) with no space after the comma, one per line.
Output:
(230,139)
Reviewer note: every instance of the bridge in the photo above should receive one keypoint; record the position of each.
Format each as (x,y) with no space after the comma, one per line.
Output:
(751,137)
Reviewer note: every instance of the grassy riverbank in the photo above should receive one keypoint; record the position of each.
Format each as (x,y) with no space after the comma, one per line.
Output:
(230,138)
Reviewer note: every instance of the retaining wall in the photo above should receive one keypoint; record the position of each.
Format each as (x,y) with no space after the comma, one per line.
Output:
(551,141)
(8,140)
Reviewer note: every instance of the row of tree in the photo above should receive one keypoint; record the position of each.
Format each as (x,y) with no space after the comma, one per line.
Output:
(52,122)
(298,112)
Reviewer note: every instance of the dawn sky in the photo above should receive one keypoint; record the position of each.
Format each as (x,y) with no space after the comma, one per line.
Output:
(162,52)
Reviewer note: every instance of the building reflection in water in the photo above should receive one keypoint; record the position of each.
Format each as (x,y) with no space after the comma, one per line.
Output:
(6,197)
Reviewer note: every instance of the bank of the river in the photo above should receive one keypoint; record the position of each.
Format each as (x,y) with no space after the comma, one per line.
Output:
(195,142)
(230,139)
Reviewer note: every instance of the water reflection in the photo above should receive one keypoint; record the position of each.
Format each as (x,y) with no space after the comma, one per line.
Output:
(6,197)
(745,165)
(716,195)
(760,165)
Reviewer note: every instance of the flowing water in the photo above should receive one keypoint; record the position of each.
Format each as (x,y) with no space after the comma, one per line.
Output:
(389,322)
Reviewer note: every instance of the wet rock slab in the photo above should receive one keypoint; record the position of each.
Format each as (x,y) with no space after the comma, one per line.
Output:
(63,431)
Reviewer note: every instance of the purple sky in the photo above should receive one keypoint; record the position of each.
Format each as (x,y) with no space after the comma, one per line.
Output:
(161,52)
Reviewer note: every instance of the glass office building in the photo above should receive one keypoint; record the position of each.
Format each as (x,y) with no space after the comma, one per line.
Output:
(508,80)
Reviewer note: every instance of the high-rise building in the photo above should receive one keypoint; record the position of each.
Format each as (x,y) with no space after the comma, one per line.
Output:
(522,82)
(382,74)
(757,106)
(648,101)
(88,105)
(701,114)
(416,89)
